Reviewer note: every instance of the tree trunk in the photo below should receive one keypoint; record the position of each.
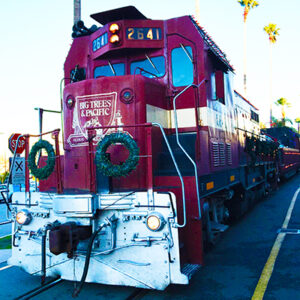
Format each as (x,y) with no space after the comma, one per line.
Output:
(245,59)
(270,84)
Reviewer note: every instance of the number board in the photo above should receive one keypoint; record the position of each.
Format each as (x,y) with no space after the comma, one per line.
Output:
(99,42)
(144,33)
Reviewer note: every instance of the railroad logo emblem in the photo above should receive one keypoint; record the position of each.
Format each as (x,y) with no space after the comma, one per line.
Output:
(93,111)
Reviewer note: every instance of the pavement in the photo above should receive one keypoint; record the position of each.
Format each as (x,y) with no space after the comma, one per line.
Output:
(232,268)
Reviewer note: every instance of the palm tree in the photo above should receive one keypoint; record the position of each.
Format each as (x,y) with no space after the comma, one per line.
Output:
(3,176)
(248,5)
(272,32)
(283,103)
(280,122)
(297,120)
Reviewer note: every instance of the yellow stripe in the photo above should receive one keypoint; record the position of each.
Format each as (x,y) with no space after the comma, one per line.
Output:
(290,210)
(6,267)
(268,269)
(269,266)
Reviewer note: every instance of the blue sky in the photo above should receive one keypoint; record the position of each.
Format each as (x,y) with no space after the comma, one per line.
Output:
(36,36)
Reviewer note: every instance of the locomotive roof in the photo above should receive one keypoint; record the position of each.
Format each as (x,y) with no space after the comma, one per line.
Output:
(123,13)
(214,48)
(238,94)
(132,13)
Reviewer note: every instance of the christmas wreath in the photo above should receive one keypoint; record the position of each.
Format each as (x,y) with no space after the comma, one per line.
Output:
(102,161)
(44,172)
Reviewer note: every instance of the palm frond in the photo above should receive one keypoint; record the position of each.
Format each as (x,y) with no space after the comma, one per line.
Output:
(272,32)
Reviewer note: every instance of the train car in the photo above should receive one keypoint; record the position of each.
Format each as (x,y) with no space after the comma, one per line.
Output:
(158,153)
(289,149)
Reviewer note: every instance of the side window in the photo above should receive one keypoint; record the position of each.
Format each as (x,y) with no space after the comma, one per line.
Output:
(217,86)
(182,66)
(220,86)
(118,70)
(213,85)
(153,65)
(254,116)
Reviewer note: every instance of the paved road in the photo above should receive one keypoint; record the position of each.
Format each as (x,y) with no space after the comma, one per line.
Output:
(232,268)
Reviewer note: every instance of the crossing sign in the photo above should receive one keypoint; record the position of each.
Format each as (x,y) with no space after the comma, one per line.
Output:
(18,171)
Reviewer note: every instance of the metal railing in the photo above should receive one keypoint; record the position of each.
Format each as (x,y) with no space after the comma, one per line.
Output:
(182,148)
(148,127)
(55,134)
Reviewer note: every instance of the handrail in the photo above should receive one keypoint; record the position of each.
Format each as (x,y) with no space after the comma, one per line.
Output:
(39,135)
(177,225)
(181,147)
(179,174)
(55,131)
(241,129)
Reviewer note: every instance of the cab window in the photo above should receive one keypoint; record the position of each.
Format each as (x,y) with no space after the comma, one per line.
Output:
(110,70)
(77,74)
(182,66)
(152,66)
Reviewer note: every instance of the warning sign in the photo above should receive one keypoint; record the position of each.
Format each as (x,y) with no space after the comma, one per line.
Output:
(18,172)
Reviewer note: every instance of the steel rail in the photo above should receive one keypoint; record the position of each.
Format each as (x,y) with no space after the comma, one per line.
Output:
(138,293)
(39,289)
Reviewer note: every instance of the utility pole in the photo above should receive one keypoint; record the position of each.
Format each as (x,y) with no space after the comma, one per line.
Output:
(77,11)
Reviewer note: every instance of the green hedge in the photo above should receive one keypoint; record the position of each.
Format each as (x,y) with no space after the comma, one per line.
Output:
(5,242)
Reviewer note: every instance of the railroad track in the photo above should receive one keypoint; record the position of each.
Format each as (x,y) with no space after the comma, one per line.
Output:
(137,294)
(39,289)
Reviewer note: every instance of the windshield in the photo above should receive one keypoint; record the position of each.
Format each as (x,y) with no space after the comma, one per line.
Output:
(110,70)
(153,65)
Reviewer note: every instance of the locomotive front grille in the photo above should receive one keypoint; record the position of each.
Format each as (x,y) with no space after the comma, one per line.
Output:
(46,200)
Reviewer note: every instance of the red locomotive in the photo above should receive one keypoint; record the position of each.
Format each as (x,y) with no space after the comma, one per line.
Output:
(159,152)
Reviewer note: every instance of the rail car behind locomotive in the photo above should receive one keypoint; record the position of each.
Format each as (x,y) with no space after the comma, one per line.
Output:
(159,151)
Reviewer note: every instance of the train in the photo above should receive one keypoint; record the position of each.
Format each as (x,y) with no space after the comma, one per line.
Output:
(158,154)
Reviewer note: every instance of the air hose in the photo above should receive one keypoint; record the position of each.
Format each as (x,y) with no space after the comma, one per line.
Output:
(87,260)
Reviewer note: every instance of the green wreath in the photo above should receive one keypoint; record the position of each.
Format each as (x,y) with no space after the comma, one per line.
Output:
(103,163)
(45,172)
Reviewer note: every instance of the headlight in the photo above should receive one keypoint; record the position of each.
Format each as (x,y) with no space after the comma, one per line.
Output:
(155,221)
(113,28)
(114,39)
(23,217)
